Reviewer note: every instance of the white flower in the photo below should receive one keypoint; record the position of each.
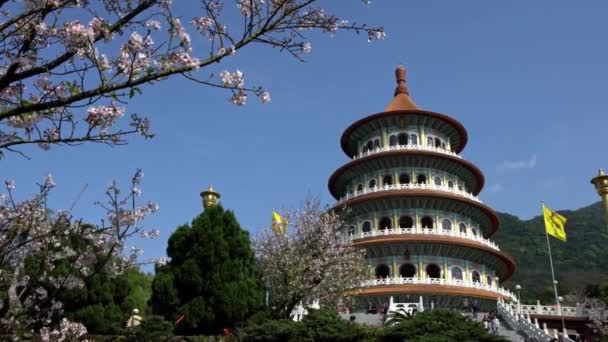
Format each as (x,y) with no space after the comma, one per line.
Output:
(265,96)
(48,181)
(10,184)
(306,48)
(153,24)
(162,261)
(239,99)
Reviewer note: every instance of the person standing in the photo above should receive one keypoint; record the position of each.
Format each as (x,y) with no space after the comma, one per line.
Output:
(495,325)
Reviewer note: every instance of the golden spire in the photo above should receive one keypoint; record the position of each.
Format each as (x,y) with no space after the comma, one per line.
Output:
(210,197)
(601,186)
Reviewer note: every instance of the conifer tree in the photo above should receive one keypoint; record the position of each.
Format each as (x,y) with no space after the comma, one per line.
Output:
(211,278)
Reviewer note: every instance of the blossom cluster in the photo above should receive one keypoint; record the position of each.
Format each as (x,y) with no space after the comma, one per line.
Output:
(52,65)
(30,229)
(312,261)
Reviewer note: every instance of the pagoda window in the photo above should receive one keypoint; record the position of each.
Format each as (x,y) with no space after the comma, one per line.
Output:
(404,178)
(413,139)
(462,228)
(433,271)
(370,145)
(443,145)
(475,277)
(456,273)
(382,271)
(376,143)
(351,230)
(421,179)
(437,142)
(406,222)
(360,187)
(437,181)
(450,184)
(474,231)
(367,227)
(427,222)
(372,183)
(446,224)
(402,139)
(364,148)
(392,141)
(385,223)
(429,141)
(387,180)
(489,280)
(407,271)
(460,187)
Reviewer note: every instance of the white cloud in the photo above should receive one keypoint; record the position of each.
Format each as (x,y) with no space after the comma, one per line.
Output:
(519,164)
(495,188)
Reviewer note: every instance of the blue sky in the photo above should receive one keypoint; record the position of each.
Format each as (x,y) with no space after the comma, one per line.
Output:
(526,78)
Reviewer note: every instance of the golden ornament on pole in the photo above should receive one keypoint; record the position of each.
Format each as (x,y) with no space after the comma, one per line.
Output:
(210,197)
(601,186)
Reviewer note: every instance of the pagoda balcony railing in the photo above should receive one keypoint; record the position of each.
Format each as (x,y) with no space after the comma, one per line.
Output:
(437,281)
(409,186)
(408,148)
(424,231)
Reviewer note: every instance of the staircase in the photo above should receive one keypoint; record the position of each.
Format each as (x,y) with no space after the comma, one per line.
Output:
(503,330)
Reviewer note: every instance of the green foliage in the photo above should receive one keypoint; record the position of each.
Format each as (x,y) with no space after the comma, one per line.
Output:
(212,278)
(318,326)
(437,326)
(153,329)
(104,304)
(398,316)
(578,262)
(326,326)
(105,301)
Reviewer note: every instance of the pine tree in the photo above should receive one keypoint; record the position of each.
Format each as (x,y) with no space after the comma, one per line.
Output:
(211,278)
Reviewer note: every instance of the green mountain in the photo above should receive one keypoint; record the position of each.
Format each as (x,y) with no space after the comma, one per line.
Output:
(581,260)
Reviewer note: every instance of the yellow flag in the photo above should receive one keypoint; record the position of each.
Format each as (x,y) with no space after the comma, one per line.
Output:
(279,224)
(554,224)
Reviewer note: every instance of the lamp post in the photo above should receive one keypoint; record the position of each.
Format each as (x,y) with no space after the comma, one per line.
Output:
(601,186)
(518,288)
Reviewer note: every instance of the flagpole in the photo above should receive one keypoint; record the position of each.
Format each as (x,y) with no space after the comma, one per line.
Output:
(559,308)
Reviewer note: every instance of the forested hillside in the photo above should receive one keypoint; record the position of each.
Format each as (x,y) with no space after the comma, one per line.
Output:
(581,260)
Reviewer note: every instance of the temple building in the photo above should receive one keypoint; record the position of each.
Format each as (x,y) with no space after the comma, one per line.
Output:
(413,207)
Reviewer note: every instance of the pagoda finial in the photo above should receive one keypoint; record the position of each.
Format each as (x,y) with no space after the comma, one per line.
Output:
(400,74)
(210,197)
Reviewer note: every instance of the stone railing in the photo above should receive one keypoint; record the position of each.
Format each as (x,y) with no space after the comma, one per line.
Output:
(524,324)
(408,148)
(436,281)
(549,310)
(410,186)
(424,231)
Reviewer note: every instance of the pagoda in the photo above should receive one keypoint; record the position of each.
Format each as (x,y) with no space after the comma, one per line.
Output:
(413,206)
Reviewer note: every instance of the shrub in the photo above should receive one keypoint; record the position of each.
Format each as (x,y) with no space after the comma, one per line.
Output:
(318,326)
(437,326)
(152,329)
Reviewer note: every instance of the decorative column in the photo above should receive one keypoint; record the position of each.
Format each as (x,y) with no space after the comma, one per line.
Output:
(601,186)
(395,219)
(375,227)
(395,272)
